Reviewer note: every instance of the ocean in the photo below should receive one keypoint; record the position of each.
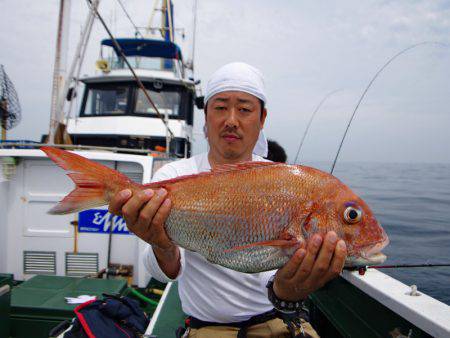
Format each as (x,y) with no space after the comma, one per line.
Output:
(412,202)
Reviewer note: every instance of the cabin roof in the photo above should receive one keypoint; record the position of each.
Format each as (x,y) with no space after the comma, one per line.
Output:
(146,47)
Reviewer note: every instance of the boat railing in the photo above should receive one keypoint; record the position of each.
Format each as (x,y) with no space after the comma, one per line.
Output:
(34,145)
(423,311)
(8,162)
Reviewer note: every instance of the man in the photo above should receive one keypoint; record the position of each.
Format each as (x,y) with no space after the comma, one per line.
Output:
(235,114)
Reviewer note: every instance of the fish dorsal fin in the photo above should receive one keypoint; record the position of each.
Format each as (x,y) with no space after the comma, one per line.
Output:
(224,168)
(221,169)
(244,166)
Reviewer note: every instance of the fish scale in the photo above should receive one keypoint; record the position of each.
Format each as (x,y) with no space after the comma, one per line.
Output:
(234,215)
(249,217)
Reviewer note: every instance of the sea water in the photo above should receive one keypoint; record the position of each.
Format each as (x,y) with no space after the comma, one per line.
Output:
(412,202)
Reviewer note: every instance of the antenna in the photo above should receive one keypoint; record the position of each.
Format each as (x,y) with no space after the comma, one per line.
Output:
(149,29)
(194,30)
(59,69)
(169,17)
(73,75)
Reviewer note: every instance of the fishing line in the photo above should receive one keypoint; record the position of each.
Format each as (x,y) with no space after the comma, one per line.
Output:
(310,121)
(395,266)
(136,29)
(370,84)
(363,269)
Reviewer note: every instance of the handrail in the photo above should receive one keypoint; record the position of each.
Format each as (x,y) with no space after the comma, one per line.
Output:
(13,145)
(425,312)
(4,290)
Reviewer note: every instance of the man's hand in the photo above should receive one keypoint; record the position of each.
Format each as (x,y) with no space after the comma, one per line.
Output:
(145,214)
(308,270)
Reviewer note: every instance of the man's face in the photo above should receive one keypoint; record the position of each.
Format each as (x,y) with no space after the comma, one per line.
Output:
(233,120)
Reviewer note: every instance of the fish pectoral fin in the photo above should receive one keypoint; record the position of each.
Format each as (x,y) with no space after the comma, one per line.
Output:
(274,256)
(283,243)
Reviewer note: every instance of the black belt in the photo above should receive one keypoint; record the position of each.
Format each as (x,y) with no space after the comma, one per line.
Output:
(196,323)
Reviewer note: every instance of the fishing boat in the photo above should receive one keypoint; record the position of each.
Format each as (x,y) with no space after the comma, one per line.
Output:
(44,258)
(52,253)
(114,111)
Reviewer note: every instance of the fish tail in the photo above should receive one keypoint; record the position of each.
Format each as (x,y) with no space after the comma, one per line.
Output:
(93,181)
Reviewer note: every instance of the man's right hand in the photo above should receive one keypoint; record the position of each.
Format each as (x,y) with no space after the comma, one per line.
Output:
(145,214)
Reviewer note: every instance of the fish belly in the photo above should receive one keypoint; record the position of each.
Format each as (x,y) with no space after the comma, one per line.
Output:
(213,235)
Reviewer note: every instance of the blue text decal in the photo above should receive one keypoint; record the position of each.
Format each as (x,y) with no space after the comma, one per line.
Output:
(99,221)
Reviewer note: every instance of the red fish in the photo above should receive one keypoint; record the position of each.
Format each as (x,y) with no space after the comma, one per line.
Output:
(249,217)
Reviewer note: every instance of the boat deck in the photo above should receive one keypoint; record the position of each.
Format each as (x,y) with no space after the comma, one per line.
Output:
(373,305)
(168,315)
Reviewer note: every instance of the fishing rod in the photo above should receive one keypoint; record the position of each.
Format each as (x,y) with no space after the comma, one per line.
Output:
(310,121)
(138,81)
(370,84)
(363,269)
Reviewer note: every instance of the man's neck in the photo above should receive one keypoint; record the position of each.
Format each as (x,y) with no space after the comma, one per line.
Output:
(217,160)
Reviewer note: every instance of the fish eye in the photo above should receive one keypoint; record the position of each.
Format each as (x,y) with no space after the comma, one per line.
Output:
(352,215)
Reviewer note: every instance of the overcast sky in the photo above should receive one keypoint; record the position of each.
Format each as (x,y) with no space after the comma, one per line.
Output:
(305,49)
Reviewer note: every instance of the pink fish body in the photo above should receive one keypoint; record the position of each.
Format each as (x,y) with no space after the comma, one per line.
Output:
(249,217)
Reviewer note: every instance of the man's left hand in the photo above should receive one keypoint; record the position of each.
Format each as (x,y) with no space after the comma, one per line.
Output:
(309,269)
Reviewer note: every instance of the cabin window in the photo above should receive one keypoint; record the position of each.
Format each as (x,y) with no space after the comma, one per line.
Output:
(139,62)
(107,101)
(167,102)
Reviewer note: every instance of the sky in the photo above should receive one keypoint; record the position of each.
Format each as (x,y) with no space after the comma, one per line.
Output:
(305,49)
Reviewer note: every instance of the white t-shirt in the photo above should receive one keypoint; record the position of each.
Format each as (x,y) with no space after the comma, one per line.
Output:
(208,291)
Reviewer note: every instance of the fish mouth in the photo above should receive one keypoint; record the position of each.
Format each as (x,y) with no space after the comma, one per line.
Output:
(374,259)
(376,248)
(371,254)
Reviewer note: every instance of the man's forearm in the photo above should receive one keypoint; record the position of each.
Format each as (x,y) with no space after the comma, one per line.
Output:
(169,261)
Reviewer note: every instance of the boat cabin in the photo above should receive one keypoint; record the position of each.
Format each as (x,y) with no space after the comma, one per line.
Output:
(115,112)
